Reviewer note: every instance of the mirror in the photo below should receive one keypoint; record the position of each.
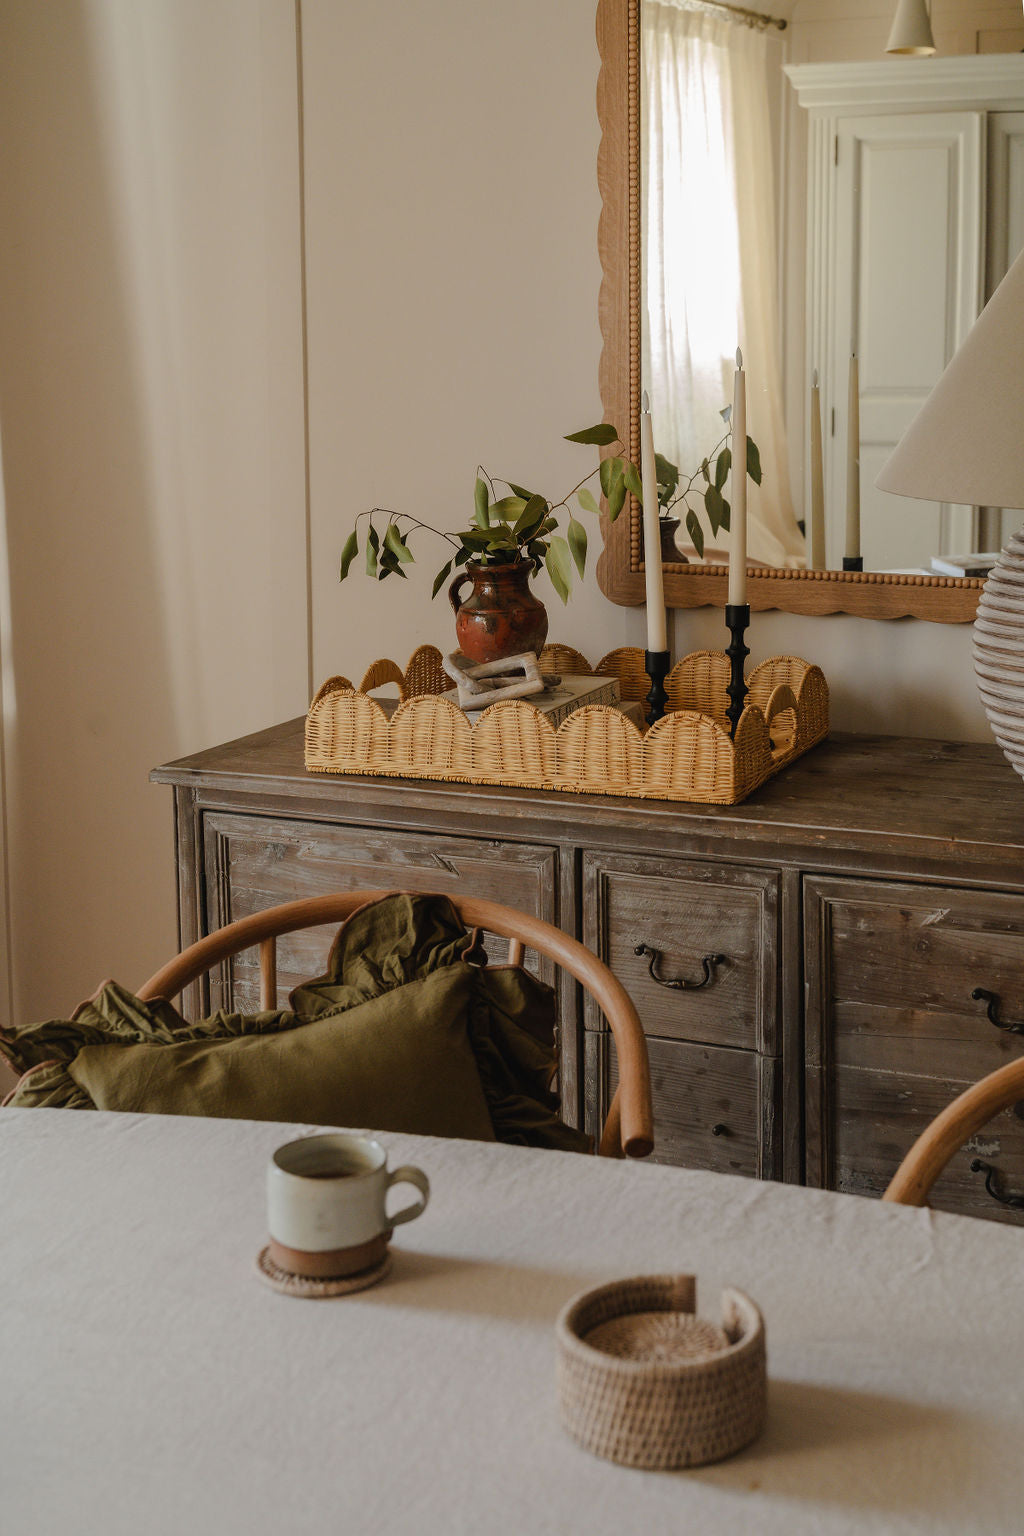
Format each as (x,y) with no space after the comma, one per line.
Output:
(908,183)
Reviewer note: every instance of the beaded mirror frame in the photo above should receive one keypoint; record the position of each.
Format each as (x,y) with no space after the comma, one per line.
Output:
(620,571)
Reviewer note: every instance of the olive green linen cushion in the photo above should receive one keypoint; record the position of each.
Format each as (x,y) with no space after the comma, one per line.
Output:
(118,1047)
(399,1062)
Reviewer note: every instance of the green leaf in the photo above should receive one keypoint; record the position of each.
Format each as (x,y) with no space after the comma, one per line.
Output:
(616,496)
(372,546)
(601,436)
(396,544)
(726,515)
(537,550)
(508,508)
(705,470)
(632,480)
(722,466)
(577,538)
(668,476)
(713,505)
(726,414)
(441,577)
(349,553)
(519,490)
(695,531)
(559,567)
(464,555)
(585,497)
(610,471)
(530,519)
(481,499)
(476,539)
(753,461)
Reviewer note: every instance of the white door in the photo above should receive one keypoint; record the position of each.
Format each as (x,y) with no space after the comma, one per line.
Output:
(908,281)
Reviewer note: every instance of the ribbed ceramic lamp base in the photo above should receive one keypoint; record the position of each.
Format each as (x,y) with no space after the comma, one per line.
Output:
(999,650)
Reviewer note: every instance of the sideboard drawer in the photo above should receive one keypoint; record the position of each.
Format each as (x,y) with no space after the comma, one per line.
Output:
(677,913)
(879,1116)
(254,862)
(893,1032)
(714,1107)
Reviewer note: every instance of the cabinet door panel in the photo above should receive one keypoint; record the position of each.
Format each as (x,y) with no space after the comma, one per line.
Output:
(683,912)
(893,1032)
(255,862)
(713,1108)
(881,1114)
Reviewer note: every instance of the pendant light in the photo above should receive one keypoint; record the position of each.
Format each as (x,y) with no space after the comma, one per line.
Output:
(911,30)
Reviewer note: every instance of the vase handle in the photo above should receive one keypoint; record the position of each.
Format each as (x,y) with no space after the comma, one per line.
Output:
(453,590)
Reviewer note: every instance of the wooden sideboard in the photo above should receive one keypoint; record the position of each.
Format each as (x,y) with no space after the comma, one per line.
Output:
(843,916)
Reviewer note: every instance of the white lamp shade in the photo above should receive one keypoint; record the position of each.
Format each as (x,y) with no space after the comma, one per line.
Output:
(911,29)
(966,443)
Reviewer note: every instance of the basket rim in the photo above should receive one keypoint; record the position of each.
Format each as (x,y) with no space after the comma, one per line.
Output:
(733,1301)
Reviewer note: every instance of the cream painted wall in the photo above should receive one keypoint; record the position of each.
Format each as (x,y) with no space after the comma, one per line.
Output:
(151,409)
(453,280)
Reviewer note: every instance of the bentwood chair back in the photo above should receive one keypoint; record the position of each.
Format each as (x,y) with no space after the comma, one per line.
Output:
(629,1127)
(948,1132)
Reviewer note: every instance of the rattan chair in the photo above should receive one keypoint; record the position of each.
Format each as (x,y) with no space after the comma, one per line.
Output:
(948,1132)
(628,1129)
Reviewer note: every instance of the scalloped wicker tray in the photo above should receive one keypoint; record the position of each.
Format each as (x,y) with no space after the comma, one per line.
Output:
(688,755)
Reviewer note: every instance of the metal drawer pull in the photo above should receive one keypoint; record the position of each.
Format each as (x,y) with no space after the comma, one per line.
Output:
(1015,1202)
(707,965)
(980,995)
(720,1130)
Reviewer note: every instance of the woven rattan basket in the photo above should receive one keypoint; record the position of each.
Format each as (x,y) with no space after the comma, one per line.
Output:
(643,1381)
(688,755)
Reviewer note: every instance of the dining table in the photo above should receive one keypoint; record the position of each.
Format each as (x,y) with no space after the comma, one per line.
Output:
(152,1382)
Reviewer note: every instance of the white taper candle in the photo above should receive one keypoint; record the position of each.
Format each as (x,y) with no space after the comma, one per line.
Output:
(738,486)
(853,463)
(655,585)
(817,541)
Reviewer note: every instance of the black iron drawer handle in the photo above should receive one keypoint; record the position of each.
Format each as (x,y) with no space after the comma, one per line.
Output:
(708,964)
(1015,1202)
(991,999)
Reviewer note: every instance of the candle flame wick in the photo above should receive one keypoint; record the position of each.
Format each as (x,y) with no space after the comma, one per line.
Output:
(645,402)
(739,358)
(814,381)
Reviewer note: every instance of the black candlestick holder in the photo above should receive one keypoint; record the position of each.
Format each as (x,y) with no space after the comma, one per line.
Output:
(656,666)
(737,617)
(853,562)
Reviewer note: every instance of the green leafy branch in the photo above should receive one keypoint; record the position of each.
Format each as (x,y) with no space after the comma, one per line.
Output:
(508,525)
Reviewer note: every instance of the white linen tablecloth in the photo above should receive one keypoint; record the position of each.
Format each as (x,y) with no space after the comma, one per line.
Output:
(150,1383)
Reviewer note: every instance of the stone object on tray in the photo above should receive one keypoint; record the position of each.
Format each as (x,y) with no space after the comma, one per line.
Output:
(478,685)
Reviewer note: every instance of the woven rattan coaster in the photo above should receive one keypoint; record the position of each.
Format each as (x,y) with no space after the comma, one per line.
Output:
(642,1380)
(658,1338)
(302,1285)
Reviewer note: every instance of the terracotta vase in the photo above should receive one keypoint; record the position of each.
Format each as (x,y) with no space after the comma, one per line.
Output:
(501,616)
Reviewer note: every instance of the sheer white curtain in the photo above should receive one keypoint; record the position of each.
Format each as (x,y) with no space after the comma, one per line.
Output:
(709,266)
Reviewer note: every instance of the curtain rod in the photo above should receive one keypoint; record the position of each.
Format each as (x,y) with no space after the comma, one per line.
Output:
(751,18)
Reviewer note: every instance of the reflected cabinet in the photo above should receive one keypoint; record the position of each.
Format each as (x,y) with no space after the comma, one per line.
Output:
(819,970)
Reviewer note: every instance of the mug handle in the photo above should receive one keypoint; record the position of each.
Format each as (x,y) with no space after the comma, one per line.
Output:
(409,1175)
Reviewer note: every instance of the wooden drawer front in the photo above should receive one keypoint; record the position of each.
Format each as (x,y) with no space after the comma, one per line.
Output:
(713,1107)
(878,1117)
(255,862)
(890,973)
(686,911)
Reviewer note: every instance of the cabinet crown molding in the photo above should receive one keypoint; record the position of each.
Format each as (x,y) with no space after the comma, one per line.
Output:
(989,80)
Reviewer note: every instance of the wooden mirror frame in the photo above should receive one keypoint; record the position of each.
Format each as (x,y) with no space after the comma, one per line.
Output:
(620,571)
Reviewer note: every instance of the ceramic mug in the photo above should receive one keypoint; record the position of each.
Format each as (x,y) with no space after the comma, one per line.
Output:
(326,1204)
